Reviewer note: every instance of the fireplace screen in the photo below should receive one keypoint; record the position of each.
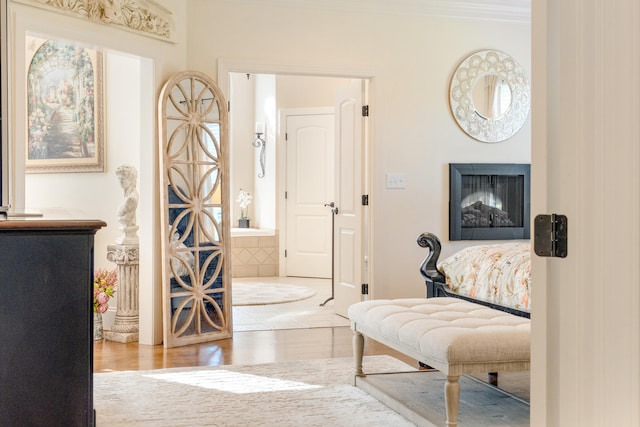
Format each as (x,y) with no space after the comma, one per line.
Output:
(489,201)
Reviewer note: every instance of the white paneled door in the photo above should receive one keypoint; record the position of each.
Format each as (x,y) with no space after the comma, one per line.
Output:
(349,252)
(309,188)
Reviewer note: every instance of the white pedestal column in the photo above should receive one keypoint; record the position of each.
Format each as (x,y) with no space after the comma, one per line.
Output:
(125,328)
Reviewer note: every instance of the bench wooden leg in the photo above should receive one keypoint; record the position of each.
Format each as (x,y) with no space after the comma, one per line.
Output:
(358,353)
(452,400)
(492,378)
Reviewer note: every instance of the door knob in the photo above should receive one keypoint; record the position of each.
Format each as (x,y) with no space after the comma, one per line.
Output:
(333,207)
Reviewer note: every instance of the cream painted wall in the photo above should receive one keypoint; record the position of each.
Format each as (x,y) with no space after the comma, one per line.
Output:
(296,91)
(411,60)
(265,187)
(99,195)
(242,153)
(162,59)
(253,100)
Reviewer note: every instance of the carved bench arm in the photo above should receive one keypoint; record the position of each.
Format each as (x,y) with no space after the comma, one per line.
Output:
(428,268)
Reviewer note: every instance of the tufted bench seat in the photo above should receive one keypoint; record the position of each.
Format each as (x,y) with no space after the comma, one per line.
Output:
(453,336)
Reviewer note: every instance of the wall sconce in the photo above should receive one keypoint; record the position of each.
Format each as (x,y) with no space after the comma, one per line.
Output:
(260,142)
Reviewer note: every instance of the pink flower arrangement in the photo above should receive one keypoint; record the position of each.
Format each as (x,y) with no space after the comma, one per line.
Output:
(104,285)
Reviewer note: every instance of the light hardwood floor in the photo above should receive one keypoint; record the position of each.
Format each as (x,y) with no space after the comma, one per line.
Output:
(262,334)
(251,347)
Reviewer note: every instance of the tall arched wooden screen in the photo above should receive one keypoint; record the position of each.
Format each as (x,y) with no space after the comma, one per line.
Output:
(194,210)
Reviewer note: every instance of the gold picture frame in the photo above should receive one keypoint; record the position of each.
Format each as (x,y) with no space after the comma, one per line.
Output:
(65,130)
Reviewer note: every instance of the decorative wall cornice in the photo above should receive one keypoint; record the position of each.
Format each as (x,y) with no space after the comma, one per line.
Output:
(518,11)
(145,17)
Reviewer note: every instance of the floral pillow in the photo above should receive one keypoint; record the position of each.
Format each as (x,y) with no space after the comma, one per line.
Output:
(497,273)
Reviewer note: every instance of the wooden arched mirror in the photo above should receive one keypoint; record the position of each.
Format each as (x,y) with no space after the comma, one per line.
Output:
(192,117)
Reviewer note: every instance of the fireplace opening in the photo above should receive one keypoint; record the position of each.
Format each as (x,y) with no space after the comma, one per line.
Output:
(489,201)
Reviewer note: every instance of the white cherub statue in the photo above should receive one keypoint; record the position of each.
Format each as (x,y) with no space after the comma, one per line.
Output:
(128,177)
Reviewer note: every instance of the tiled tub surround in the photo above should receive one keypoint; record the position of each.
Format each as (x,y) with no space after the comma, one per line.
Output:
(254,252)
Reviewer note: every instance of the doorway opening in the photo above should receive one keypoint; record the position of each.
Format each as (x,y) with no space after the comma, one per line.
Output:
(290,178)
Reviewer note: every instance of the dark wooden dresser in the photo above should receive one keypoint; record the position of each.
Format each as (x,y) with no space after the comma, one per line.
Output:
(46,326)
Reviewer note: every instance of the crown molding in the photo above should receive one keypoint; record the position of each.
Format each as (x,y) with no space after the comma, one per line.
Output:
(145,17)
(518,11)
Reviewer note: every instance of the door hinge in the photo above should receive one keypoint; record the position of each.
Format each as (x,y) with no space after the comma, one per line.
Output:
(365,111)
(285,253)
(229,106)
(365,289)
(365,200)
(550,235)
(286,194)
(286,136)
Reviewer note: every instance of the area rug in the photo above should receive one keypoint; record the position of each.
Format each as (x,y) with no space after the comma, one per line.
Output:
(300,393)
(260,293)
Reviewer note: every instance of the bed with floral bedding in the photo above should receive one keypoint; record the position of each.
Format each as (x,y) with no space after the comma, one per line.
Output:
(495,275)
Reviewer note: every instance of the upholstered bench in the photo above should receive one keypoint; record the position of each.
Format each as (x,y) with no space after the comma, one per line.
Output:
(451,335)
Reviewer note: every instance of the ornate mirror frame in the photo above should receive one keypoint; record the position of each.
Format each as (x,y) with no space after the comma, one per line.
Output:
(194,194)
(475,67)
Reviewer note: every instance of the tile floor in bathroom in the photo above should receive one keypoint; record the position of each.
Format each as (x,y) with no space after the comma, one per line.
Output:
(301,314)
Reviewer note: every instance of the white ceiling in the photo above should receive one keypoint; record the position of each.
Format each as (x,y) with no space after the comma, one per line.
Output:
(495,10)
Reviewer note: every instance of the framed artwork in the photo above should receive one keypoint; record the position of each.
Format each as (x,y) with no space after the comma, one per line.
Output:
(65,131)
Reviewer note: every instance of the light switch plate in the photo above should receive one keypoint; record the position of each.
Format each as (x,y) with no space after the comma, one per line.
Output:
(396,180)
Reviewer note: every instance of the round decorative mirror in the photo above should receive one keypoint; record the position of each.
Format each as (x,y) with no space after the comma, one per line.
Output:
(490,96)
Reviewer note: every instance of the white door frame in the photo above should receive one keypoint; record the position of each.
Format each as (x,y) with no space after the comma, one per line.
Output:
(281,168)
(226,66)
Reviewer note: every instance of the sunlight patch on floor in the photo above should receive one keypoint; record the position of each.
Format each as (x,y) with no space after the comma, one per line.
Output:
(232,382)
